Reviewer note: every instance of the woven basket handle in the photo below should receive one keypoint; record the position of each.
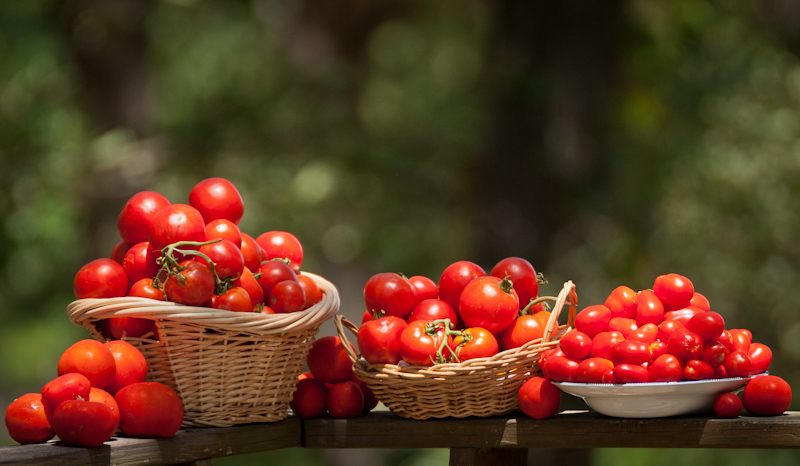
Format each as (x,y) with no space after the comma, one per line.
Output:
(340,321)
(552,323)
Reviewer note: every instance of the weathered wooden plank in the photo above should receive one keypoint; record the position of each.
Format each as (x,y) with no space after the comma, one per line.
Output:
(188,445)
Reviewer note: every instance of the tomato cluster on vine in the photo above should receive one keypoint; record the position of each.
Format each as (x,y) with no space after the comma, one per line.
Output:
(100,389)
(195,254)
(466,314)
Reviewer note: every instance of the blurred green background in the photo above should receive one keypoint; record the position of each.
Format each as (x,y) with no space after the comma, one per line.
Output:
(606,142)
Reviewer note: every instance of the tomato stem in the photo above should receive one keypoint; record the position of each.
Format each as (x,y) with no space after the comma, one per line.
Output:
(171,266)
(534,301)
(540,279)
(506,284)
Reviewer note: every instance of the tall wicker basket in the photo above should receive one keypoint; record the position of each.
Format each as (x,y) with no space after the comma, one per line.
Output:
(479,387)
(229,368)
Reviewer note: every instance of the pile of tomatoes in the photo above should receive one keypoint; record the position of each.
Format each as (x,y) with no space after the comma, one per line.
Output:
(195,254)
(466,314)
(100,389)
(664,334)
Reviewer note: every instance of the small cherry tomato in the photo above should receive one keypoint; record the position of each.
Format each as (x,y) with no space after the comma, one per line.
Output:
(727,405)
(236,299)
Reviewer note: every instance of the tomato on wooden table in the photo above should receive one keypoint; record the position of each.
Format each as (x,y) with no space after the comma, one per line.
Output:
(539,398)
(767,395)
(26,420)
(131,365)
(149,409)
(328,360)
(84,423)
(65,387)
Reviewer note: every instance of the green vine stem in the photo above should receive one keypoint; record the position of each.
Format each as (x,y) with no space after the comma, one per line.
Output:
(171,266)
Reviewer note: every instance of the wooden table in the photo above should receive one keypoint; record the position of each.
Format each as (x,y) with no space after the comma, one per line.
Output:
(474,441)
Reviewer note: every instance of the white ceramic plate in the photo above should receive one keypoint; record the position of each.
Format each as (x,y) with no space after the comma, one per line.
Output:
(652,400)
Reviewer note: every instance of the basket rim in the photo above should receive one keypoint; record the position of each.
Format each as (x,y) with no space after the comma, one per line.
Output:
(86,311)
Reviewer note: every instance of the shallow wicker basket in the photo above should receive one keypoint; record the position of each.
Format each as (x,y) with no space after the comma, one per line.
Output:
(480,387)
(229,368)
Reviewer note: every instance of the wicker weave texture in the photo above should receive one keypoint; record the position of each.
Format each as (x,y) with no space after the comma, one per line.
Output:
(479,387)
(229,368)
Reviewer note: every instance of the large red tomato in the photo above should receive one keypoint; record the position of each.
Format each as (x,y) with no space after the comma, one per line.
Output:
(227,258)
(525,328)
(474,342)
(84,423)
(26,421)
(379,340)
(767,395)
(454,278)
(310,399)
(193,286)
(424,288)
(217,198)
(149,409)
(522,275)
(140,262)
(173,223)
(488,302)
(328,361)
(281,245)
(432,309)
(134,220)
(130,363)
(101,396)
(91,359)
(391,293)
(420,344)
(101,278)
(539,398)
(65,387)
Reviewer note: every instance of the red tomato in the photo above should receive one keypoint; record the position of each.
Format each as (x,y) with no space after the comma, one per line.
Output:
(281,245)
(591,370)
(419,344)
(328,361)
(424,288)
(658,348)
(227,258)
(217,198)
(673,290)
(488,302)
(222,228)
(26,421)
(647,333)
(622,325)
(622,302)
(682,315)
(727,405)
(666,327)
(130,363)
(631,352)
(593,319)
(370,401)
(454,278)
(741,339)
(273,271)
(391,293)
(697,370)
(83,423)
(173,223)
(522,276)
(126,327)
(192,286)
(685,344)
(631,373)
(378,340)
(118,253)
(236,299)
(713,353)
(475,342)
(140,262)
(134,220)
(312,290)
(100,278)
(665,368)
(287,296)
(432,309)
(251,252)
(699,301)
(738,364)
(250,283)
(525,328)
(603,342)
(539,398)
(709,325)
(560,368)
(576,344)
(65,387)
(345,400)
(649,308)
(91,359)
(149,409)
(102,396)
(726,339)
(767,395)
(310,399)
(760,357)
(144,288)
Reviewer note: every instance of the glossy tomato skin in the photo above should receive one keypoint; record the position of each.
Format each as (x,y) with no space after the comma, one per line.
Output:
(631,373)
(622,302)
(144,289)
(525,328)
(539,398)
(379,340)
(227,258)
(760,358)
(475,342)
(83,423)
(622,325)
(100,278)
(217,198)
(65,387)
(140,262)
(647,333)
(673,290)
(737,364)
(714,353)
(522,275)
(727,405)
(310,399)
(485,303)
(603,342)
(424,288)
(649,308)
(576,344)
(454,278)
(560,368)
(236,299)
(287,296)
(685,344)
(345,400)
(665,368)
(697,370)
(192,286)
(700,301)
(312,290)
(391,293)
(118,253)
(709,325)
(249,282)
(222,228)
(432,309)
(131,365)
(328,361)
(682,315)
(631,352)
(741,339)
(102,396)
(666,327)
(417,346)
(251,252)
(593,319)
(134,220)
(591,370)
(149,409)
(26,421)
(281,245)
(173,223)
(767,395)
(90,358)
(272,272)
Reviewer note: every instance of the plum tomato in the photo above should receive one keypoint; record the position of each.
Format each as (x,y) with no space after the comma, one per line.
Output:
(310,399)
(281,245)
(328,360)
(622,325)
(700,301)
(273,271)
(194,285)
(311,288)
(658,348)
(227,258)
(100,278)
(767,395)
(454,278)
(685,344)
(593,319)
(539,398)
(738,364)
(149,409)
(631,352)
(603,342)
(420,343)
(217,198)
(576,344)
(84,423)
(631,373)
(649,308)
(287,296)
(709,325)
(91,359)
(741,339)
(697,370)
(236,299)
(224,229)
(133,223)
(345,400)
(26,421)
(666,327)
(673,290)
(622,302)
(647,333)
(131,365)
(251,252)
(560,368)
(713,353)
(65,387)
(727,405)
(525,328)
(591,370)
(474,342)
(682,315)
(391,293)
(522,276)
(173,223)
(488,302)
(378,340)
(140,262)
(760,358)
(424,288)
(432,309)
(665,368)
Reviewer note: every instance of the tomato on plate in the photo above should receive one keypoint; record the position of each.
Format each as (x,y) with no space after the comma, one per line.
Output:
(760,357)
(665,368)
(217,198)
(593,319)
(673,290)
(709,325)
(488,302)
(592,370)
(576,344)
(649,308)
(622,302)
